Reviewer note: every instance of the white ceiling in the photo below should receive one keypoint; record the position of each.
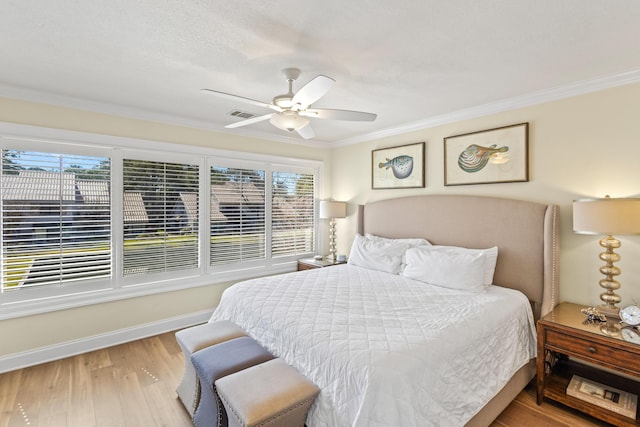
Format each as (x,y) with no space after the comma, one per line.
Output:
(414,62)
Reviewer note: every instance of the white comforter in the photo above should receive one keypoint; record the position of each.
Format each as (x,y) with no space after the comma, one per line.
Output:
(386,350)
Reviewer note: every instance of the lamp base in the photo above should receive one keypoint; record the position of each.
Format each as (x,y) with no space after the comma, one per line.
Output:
(610,311)
(332,241)
(609,298)
(611,328)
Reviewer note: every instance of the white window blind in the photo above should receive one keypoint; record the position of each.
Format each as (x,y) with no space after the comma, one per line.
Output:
(237,215)
(292,213)
(160,217)
(87,218)
(56,219)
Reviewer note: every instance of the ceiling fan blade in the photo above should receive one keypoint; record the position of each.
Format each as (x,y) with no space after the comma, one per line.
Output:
(312,91)
(232,97)
(250,121)
(306,132)
(323,113)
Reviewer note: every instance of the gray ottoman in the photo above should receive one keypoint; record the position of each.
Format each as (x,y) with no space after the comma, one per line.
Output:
(194,339)
(215,362)
(270,394)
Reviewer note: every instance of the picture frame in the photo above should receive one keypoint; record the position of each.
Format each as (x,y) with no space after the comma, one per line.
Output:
(398,167)
(487,157)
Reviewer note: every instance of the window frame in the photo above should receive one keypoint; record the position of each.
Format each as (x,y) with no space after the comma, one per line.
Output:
(139,280)
(32,138)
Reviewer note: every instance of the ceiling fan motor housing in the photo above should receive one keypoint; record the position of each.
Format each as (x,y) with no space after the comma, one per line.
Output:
(284,101)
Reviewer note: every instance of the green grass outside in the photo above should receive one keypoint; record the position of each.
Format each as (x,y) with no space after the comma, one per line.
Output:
(18,266)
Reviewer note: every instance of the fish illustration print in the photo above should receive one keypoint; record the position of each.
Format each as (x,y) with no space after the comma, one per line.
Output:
(402,166)
(475,157)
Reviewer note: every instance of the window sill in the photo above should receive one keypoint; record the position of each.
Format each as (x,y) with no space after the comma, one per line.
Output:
(31,307)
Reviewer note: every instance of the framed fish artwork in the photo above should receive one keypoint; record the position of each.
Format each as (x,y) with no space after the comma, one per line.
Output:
(487,157)
(398,167)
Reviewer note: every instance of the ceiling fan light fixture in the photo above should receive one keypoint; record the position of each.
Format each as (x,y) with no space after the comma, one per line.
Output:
(288,120)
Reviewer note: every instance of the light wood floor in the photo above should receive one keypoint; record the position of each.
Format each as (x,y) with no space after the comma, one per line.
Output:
(133,385)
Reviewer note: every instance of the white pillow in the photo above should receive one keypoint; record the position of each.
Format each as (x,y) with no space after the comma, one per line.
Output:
(415,242)
(377,255)
(490,263)
(454,270)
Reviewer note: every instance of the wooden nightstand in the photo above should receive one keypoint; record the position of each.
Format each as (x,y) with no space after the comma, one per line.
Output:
(563,340)
(309,263)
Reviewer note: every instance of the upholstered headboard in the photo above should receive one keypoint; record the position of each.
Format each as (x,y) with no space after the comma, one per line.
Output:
(526,234)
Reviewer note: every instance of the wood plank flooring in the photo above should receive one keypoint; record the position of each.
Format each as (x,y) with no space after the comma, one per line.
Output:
(133,385)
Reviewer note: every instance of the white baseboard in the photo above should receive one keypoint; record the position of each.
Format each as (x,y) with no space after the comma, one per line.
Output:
(96,342)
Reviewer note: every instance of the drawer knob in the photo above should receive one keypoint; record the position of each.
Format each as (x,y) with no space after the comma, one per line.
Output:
(592,349)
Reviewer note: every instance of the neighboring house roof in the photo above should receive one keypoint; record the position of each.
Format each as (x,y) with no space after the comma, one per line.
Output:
(44,186)
(40,186)
(284,208)
(94,192)
(134,210)
(190,203)
(234,193)
(252,194)
(215,214)
(226,194)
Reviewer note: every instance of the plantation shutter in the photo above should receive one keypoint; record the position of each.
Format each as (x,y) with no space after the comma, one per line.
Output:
(292,218)
(56,219)
(237,215)
(160,217)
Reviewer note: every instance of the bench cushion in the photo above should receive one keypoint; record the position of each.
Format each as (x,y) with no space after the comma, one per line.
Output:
(193,339)
(218,361)
(269,394)
(198,337)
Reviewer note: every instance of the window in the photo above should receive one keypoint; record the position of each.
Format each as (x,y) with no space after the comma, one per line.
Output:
(160,216)
(56,219)
(237,215)
(292,217)
(97,220)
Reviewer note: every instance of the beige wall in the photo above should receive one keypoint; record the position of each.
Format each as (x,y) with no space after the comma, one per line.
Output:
(585,146)
(77,323)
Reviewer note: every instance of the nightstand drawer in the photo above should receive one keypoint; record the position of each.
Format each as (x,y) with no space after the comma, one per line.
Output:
(594,351)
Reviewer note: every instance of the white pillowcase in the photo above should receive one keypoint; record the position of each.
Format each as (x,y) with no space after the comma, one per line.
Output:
(377,254)
(490,263)
(450,269)
(415,242)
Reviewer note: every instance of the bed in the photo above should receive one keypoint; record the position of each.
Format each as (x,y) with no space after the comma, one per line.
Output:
(376,342)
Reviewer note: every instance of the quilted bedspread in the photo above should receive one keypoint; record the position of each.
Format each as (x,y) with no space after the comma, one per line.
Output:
(386,350)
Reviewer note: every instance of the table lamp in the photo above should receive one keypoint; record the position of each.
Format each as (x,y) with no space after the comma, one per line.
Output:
(608,216)
(331,210)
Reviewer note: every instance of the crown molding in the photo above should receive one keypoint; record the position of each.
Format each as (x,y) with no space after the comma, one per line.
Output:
(533,98)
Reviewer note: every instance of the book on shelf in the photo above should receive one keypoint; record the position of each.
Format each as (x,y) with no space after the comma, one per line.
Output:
(610,398)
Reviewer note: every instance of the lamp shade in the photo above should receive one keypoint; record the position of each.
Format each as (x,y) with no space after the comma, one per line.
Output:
(332,209)
(606,216)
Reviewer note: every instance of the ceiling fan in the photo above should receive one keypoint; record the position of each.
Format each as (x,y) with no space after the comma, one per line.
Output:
(293,110)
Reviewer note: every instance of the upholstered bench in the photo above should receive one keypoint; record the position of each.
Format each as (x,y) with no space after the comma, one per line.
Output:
(269,394)
(218,361)
(194,339)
